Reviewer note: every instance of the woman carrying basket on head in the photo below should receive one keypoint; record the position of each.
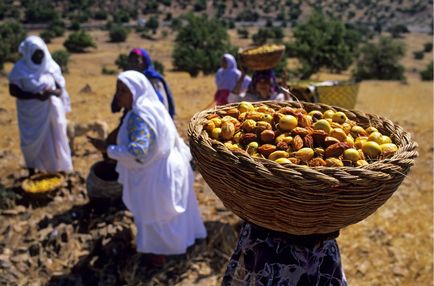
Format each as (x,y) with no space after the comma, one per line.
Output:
(153,163)
(227,78)
(42,103)
(267,257)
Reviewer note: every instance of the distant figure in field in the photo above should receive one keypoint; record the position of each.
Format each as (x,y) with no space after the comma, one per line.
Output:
(139,60)
(42,102)
(153,163)
(262,87)
(226,79)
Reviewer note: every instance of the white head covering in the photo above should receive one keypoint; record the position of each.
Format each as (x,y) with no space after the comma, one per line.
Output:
(144,94)
(226,78)
(32,77)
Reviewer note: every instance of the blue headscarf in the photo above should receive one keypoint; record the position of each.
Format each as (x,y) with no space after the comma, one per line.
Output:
(151,73)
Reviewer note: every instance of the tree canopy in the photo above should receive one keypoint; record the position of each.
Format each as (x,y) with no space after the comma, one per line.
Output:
(380,60)
(11,35)
(323,42)
(199,45)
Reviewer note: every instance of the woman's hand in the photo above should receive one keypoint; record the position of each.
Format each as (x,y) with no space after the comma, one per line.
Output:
(51,92)
(99,144)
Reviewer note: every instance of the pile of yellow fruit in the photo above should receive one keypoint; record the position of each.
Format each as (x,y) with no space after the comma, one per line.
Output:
(294,136)
(44,185)
(262,49)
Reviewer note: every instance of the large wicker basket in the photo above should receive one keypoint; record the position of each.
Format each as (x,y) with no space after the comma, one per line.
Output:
(262,61)
(293,198)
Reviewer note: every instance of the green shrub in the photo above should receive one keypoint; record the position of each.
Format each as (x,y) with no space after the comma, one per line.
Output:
(121,16)
(323,42)
(100,15)
(427,73)
(199,45)
(108,71)
(57,27)
(380,60)
(47,36)
(40,11)
(61,57)
(75,26)
(122,61)
(418,55)
(243,33)
(11,35)
(78,41)
(118,33)
(152,24)
(427,47)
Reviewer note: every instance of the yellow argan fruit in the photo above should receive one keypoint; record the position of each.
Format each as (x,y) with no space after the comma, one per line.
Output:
(283,161)
(339,117)
(252,147)
(349,140)
(288,122)
(248,125)
(346,127)
(284,137)
(215,134)
(267,118)
(385,139)
(371,149)
(351,154)
(217,121)
(228,130)
(334,162)
(361,163)
(328,114)
(304,154)
(388,149)
(357,131)
(358,143)
(209,126)
(236,137)
(322,124)
(278,154)
(339,134)
(316,114)
(371,129)
(245,106)
(375,136)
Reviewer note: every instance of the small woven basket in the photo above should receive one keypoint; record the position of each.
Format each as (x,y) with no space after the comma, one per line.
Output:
(43,193)
(261,61)
(293,198)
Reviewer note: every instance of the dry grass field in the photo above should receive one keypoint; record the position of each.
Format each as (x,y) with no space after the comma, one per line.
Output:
(394,246)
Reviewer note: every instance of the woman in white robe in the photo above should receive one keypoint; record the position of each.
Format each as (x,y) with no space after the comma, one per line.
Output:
(42,102)
(153,163)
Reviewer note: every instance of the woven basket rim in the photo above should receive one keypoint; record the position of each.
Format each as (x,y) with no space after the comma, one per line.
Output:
(279,48)
(262,160)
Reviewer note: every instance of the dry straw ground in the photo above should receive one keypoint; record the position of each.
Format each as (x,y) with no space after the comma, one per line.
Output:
(391,247)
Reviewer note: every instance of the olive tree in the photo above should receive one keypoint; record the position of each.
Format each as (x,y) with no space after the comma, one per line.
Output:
(199,45)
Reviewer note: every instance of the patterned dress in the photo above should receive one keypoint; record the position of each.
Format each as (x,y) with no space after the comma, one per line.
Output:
(268,258)
(140,137)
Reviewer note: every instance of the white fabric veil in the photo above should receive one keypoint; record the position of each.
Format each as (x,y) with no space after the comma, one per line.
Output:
(32,77)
